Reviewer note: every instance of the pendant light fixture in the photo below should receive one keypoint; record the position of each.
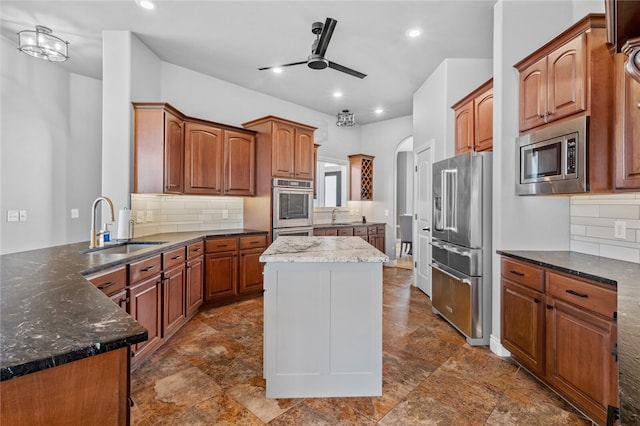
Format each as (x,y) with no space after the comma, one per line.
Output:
(345,118)
(42,44)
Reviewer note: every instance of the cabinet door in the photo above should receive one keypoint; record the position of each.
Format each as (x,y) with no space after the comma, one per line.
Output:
(282,156)
(195,289)
(579,359)
(173,306)
(221,275)
(145,307)
(239,163)
(173,154)
(627,129)
(304,165)
(523,324)
(567,79)
(464,128)
(483,121)
(203,159)
(250,271)
(533,95)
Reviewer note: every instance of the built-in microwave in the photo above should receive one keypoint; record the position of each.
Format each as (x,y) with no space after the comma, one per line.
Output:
(292,203)
(553,160)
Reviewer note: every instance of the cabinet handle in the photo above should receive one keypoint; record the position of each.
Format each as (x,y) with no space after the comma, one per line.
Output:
(221,245)
(196,249)
(540,115)
(105,285)
(614,350)
(536,300)
(575,293)
(176,258)
(518,273)
(148,268)
(549,307)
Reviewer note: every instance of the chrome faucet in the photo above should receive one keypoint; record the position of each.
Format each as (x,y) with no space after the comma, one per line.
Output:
(94,234)
(333,215)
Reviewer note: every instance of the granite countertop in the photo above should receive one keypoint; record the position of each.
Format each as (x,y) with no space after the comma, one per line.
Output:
(341,224)
(51,315)
(322,249)
(625,276)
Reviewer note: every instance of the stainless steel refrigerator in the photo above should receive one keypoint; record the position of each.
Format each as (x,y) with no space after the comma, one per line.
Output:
(461,244)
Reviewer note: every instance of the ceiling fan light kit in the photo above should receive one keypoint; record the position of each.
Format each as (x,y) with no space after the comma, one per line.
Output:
(345,118)
(42,44)
(317,60)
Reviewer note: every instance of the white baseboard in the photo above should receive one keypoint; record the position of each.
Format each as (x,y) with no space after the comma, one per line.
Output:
(497,348)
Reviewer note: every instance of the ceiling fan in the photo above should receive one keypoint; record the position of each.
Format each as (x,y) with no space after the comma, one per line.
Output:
(316,60)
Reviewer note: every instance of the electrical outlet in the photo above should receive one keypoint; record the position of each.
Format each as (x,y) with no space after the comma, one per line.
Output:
(12,215)
(225,214)
(23,215)
(75,213)
(140,216)
(620,229)
(149,215)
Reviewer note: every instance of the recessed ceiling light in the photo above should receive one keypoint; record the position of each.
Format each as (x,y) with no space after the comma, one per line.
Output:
(337,94)
(379,111)
(146,4)
(277,70)
(413,32)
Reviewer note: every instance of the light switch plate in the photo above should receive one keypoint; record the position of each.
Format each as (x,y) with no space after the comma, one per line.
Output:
(225,214)
(12,215)
(140,216)
(149,215)
(23,215)
(75,213)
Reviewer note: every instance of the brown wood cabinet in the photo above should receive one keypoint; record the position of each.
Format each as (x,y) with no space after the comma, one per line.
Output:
(474,120)
(233,270)
(563,329)
(568,77)
(627,128)
(361,177)
(373,234)
(174,291)
(145,306)
(195,277)
(376,236)
(89,391)
(178,154)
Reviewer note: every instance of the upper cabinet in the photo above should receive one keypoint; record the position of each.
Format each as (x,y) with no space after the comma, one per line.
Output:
(288,147)
(568,76)
(474,120)
(178,154)
(627,127)
(361,177)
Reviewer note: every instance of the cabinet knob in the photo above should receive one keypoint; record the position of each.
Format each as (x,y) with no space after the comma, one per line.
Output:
(536,300)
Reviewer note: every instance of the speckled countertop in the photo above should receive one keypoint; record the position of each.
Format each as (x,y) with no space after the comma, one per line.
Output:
(322,249)
(626,277)
(51,315)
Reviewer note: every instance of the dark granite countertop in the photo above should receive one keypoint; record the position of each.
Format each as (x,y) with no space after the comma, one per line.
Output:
(626,277)
(51,315)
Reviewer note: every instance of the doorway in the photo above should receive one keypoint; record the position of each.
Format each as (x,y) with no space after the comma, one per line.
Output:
(403,203)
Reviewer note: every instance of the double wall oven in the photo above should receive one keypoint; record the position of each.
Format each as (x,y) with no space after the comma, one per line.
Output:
(292,207)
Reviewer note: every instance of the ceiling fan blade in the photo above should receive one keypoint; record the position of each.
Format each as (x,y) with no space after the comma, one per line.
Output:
(325,37)
(284,65)
(344,69)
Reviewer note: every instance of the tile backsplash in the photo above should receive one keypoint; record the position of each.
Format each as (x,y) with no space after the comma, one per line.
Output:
(156,213)
(594,220)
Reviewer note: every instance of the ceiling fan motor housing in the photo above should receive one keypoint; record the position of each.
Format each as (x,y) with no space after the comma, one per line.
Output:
(317,62)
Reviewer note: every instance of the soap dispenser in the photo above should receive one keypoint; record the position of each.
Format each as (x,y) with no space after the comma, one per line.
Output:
(105,234)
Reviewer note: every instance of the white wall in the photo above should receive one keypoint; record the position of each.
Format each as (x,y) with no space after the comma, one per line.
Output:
(49,151)
(381,140)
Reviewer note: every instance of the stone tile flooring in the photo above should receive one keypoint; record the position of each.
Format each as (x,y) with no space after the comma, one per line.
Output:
(210,373)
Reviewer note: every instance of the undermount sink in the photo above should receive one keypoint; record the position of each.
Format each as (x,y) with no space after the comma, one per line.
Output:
(124,248)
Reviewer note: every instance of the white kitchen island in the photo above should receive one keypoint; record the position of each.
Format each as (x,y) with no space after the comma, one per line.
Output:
(322,317)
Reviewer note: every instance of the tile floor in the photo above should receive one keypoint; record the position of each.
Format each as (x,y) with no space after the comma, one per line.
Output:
(210,373)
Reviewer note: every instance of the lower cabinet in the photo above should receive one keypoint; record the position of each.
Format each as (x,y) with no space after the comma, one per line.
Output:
(233,270)
(373,234)
(562,329)
(145,306)
(195,277)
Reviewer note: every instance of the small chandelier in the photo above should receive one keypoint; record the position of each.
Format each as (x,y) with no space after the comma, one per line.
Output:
(42,44)
(345,118)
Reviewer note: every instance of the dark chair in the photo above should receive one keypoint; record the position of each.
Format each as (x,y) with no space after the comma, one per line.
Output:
(406,233)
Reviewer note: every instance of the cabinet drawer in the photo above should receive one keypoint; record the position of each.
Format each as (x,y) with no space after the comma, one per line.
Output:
(194,250)
(111,281)
(381,229)
(144,268)
(360,231)
(583,293)
(253,241)
(521,273)
(373,229)
(345,232)
(216,245)
(173,258)
(331,232)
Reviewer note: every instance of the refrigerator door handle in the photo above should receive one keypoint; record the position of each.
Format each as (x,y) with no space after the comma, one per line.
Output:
(457,277)
(449,186)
